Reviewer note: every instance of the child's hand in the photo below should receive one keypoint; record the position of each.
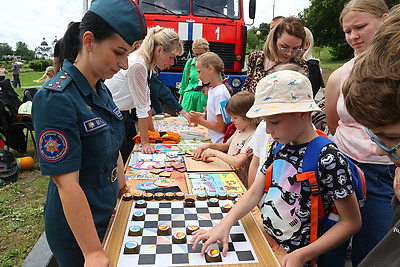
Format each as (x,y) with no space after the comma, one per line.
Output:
(199,151)
(249,152)
(147,148)
(396,183)
(218,233)
(195,117)
(208,154)
(293,259)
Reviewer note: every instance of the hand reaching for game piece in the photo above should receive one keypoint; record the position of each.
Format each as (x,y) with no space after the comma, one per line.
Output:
(217,233)
(147,148)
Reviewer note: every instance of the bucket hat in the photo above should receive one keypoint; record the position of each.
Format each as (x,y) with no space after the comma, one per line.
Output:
(284,91)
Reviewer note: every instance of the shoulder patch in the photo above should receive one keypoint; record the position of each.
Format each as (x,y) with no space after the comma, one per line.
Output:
(53,145)
(59,82)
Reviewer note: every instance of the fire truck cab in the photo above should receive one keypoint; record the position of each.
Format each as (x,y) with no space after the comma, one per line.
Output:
(220,22)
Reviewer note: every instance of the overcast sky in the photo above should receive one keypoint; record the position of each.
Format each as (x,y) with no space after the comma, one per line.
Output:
(30,21)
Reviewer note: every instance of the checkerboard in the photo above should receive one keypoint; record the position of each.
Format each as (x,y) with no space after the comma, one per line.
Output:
(160,251)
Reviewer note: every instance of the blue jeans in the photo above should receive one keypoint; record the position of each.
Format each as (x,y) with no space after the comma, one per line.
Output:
(376,214)
(16,81)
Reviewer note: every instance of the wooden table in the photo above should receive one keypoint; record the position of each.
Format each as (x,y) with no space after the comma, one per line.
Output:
(113,240)
(267,250)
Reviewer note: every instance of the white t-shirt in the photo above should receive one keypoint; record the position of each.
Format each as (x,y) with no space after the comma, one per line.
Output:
(215,96)
(130,88)
(261,143)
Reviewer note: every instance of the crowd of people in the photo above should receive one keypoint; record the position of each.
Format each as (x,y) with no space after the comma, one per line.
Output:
(106,90)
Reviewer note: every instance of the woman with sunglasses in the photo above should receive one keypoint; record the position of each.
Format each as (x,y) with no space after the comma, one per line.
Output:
(285,43)
(360,20)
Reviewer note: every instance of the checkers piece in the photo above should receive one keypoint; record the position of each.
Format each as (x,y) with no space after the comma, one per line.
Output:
(190,203)
(140,204)
(135,230)
(169,196)
(159,196)
(148,196)
(137,196)
(127,196)
(131,247)
(213,255)
(138,216)
(191,228)
(213,202)
(179,196)
(179,238)
(201,196)
(163,229)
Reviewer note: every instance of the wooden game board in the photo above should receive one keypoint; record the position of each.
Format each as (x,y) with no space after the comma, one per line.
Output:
(216,182)
(249,246)
(218,165)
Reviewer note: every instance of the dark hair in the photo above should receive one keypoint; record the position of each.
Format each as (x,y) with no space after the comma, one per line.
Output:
(72,40)
(70,44)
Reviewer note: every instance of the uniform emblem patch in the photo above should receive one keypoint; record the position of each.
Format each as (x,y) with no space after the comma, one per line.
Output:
(94,124)
(53,146)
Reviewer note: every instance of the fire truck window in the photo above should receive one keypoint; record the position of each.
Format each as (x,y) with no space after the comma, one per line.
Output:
(220,8)
(179,7)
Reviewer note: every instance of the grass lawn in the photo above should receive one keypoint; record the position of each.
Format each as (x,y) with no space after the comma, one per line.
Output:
(21,203)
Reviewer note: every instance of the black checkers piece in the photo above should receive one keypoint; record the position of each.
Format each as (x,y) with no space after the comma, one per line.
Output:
(137,196)
(213,255)
(127,196)
(159,196)
(232,196)
(226,208)
(179,196)
(213,202)
(148,196)
(135,230)
(163,229)
(138,216)
(201,196)
(191,228)
(179,238)
(190,203)
(222,196)
(131,247)
(169,196)
(141,204)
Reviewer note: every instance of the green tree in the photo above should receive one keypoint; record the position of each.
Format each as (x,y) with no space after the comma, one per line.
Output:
(23,51)
(5,49)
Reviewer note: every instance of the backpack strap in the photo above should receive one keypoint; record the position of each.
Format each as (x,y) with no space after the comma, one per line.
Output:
(268,172)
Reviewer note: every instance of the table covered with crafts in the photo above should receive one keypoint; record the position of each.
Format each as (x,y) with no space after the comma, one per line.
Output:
(170,194)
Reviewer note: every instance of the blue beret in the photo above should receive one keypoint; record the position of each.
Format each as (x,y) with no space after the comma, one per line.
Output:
(124,16)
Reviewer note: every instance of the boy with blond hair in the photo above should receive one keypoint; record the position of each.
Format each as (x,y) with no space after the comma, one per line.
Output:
(284,101)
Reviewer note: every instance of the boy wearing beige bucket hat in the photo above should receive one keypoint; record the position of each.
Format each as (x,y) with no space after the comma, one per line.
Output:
(284,101)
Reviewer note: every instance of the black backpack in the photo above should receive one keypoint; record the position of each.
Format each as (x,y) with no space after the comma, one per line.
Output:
(8,95)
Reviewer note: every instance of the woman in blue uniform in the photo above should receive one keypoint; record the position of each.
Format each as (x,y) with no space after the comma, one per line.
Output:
(79,132)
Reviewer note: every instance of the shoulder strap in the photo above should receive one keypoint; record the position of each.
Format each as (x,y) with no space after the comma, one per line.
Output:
(59,82)
(313,151)
(268,172)
(310,174)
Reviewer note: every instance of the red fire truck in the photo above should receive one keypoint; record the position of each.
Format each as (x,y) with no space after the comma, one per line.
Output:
(220,22)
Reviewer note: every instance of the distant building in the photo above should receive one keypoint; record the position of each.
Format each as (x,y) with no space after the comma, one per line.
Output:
(45,50)
(11,57)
